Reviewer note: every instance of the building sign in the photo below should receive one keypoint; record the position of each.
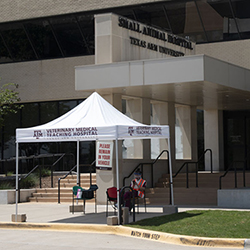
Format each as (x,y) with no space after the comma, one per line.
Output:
(104,152)
(162,36)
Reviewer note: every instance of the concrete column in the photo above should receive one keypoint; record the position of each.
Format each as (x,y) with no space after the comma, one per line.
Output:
(194,146)
(183,120)
(107,178)
(212,137)
(171,123)
(134,111)
(146,112)
(159,117)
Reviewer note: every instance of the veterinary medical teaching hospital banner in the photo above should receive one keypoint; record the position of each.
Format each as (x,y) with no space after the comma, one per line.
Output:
(104,152)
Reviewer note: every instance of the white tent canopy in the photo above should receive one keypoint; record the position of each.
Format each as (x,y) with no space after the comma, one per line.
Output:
(93,119)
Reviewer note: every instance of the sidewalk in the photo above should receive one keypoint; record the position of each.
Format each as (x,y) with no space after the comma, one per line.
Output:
(59,213)
(56,217)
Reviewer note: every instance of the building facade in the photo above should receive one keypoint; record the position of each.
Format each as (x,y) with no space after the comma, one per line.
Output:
(185,63)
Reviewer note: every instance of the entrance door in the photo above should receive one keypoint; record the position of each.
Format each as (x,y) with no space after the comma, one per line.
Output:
(237,138)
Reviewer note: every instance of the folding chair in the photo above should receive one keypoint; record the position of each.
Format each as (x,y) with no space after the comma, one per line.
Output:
(76,195)
(85,194)
(111,198)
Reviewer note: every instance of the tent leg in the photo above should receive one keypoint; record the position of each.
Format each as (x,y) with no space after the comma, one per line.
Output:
(77,163)
(17,154)
(117,178)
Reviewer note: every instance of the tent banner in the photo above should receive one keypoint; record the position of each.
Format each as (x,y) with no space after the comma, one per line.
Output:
(152,131)
(104,153)
(66,134)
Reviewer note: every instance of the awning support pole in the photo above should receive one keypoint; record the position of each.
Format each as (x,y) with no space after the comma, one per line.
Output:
(117,174)
(17,154)
(77,163)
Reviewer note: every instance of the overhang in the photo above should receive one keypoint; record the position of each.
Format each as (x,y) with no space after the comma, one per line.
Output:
(198,80)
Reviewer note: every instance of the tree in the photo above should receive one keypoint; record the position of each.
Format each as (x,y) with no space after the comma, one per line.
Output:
(9,98)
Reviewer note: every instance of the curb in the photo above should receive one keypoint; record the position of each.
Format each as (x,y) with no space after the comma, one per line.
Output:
(132,232)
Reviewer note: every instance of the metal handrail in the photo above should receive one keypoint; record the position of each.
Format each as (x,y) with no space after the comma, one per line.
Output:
(120,199)
(70,172)
(90,171)
(235,173)
(147,163)
(152,172)
(22,178)
(52,166)
(61,178)
(30,157)
(186,163)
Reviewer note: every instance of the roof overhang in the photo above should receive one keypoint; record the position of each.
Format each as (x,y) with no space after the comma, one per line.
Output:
(197,80)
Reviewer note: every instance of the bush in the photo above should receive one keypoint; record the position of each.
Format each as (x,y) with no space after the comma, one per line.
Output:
(45,172)
(6,185)
(29,182)
(9,174)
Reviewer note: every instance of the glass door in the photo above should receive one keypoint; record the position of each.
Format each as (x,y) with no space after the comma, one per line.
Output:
(237,138)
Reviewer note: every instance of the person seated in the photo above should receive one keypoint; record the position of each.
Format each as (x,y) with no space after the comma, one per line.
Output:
(138,185)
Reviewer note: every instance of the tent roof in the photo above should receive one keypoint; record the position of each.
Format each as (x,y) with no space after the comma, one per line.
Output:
(93,119)
(95,111)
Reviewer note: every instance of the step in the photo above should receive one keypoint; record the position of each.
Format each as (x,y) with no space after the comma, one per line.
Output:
(74,181)
(55,199)
(71,185)
(182,196)
(54,190)
(52,195)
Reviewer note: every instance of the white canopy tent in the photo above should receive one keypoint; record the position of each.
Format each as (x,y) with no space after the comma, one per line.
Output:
(93,119)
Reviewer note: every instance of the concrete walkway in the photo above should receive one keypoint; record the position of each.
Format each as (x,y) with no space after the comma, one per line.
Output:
(59,213)
(56,217)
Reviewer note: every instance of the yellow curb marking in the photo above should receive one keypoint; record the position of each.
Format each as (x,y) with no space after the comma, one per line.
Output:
(132,232)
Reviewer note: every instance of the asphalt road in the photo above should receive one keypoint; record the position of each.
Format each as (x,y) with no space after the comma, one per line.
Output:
(48,240)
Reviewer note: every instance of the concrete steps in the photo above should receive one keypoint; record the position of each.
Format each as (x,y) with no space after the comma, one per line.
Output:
(182,196)
(66,185)
(205,194)
(205,180)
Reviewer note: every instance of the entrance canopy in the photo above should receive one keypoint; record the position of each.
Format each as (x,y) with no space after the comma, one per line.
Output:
(93,119)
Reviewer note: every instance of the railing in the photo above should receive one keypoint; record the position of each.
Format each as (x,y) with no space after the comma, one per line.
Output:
(234,167)
(140,165)
(90,171)
(61,178)
(35,157)
(196,168)
(52,166)
(70,172)
(40,167)
(120,199)
(22,178)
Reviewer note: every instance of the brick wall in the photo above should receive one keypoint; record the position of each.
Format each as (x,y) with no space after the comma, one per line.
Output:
(45,80)
(235,52)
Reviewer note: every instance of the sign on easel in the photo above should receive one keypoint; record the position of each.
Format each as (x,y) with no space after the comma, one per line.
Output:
(104,152)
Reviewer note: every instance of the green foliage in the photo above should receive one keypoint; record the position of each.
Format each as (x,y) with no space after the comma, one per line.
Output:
(29,182)
(9,173)
(8,100)
(6,185)
(44,172)
(204,223)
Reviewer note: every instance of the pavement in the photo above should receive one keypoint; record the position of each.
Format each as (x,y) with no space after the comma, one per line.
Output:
(56,217)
